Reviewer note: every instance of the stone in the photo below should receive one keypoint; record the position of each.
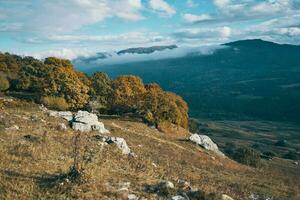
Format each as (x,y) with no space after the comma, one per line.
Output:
(132,197)
(67,115)
(77,126)
(86,122)
(178,197)
(226,197)
(205,142)
(166,184)
(121,144)
(62,127)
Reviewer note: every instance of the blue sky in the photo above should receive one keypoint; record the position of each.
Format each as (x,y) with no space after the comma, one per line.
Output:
(72,28)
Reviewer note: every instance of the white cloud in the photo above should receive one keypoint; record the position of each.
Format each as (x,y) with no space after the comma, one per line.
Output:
(191,4)
(44,16)
(65,53)
(162,7)
(221,3)
(190,18)
(213,35)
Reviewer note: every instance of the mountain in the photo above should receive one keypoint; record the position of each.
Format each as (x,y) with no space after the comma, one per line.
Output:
(146,50)
(249,79)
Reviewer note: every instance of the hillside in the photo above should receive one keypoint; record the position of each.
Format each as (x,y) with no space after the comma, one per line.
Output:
(247,80)
(36,155)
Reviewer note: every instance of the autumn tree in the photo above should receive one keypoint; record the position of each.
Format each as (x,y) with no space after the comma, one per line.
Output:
(160,106)
(63,81)
(127,94)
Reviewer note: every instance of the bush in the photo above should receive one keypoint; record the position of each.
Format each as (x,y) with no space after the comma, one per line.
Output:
(247,156)
(4,83)
(292,155)
(56,103)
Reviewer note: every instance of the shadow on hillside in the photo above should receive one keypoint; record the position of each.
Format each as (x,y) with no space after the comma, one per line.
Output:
(45,181)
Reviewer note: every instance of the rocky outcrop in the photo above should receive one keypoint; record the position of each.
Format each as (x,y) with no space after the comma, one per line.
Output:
(85,122)
(82,121)
(205,142)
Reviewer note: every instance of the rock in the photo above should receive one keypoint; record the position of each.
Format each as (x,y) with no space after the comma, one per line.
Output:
(296,163)
(62,127)
(86,117)
(67,115)
(77,126)
(166,184)
(132,197)
(226,197)
(178,197)
(85,122)
(121,144)
(205,142)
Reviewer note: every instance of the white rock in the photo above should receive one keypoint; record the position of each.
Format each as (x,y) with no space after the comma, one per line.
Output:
(86,117)
(121,144)
(226,197)
(178,197)
(167,184)
(205,142)
(85,122)
(67,115)
(77,126)
(132,197)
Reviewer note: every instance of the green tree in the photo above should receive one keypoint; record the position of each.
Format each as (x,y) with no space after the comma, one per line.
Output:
(101,92)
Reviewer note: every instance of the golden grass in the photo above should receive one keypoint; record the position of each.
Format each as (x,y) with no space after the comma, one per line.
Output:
(30,167)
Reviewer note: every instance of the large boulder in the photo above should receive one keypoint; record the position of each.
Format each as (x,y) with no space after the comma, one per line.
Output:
(84,121)
(205,142)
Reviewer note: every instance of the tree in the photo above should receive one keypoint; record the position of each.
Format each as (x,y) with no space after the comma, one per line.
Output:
(127,93)
(159,106)
(63,81)
(101,92)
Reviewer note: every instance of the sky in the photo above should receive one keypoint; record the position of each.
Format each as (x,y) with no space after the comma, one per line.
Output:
(72,28)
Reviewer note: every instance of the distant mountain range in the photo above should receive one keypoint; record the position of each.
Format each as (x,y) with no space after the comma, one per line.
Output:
(249,79)
(146,50)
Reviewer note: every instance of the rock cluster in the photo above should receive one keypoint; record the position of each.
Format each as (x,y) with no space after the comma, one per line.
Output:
(82,121)
(205,142)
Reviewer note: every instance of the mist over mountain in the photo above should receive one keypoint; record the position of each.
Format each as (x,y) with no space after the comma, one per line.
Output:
(253,79)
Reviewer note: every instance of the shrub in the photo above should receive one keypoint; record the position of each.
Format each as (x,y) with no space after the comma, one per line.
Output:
(247,156)
(57,103)
(292,155)
(281,143)
(4,83)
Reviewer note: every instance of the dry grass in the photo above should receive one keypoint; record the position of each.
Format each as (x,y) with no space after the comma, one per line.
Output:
(35,159)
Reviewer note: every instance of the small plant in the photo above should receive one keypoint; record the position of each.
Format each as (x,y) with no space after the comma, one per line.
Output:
(247,156)
(292,155)
(4,84)
(57,103)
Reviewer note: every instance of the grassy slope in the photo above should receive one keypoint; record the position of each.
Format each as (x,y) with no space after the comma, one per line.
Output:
(29,167)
